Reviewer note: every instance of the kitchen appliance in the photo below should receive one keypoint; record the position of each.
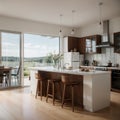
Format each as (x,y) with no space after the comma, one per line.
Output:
(105,37)
(86,62)
(73,59)
(115,84)
(101,68)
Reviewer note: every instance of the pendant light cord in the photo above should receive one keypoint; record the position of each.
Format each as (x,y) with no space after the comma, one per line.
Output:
(100,10)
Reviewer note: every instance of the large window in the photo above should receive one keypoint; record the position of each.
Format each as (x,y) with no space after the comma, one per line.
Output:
(37,48)
(10,58)
(10,49)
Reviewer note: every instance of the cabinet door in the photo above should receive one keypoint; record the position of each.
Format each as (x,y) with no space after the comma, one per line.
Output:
(82,45)
(95,40)
(88,45)
(117,42)
(98,41)
(93,43)
(72,43)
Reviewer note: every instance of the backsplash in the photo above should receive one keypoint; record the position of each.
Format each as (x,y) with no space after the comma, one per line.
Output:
(103,58)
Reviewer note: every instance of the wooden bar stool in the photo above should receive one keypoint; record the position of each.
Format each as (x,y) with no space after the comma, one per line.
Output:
(40,80)
(68,82)
(53,82)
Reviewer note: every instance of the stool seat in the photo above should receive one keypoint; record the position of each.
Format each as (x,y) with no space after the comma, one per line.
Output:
(40,80)
(68,82)
(53,82)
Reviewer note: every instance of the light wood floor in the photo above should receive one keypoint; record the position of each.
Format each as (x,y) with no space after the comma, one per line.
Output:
(19,104)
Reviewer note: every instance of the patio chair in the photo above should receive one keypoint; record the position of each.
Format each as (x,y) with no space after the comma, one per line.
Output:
(3,76)
(15,74)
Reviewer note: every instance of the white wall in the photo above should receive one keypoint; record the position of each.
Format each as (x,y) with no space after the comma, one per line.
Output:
(27,26)
(93,29)
(107,53)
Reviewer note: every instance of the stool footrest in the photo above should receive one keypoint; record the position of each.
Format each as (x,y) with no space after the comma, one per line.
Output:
(53,82)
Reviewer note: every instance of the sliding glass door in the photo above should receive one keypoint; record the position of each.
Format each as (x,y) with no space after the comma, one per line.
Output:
(36,51)
(10,57)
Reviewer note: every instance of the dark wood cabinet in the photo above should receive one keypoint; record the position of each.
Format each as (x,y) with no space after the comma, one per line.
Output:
(88,44)
(71,43)
(117,42)
(83,45)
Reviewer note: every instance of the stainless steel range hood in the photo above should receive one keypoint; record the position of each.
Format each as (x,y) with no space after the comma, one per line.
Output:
(105,37)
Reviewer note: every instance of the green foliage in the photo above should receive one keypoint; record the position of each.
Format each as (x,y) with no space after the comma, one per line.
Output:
(26,73)
(48,59)
(55,58)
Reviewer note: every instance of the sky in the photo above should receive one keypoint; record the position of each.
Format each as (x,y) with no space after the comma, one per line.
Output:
(40,45)
(34,45)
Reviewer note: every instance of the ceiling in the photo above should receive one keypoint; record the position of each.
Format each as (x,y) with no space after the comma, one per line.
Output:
(48,11)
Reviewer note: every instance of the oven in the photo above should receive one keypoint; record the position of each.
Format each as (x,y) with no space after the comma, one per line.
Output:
(101,68)
(115,83)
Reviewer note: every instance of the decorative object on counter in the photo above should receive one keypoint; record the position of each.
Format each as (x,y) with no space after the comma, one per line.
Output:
(55,59)
(109,64)
(85,69)
(75,50)
(117,65)
(94,63)
(69,68)
(86,62)
(71,50)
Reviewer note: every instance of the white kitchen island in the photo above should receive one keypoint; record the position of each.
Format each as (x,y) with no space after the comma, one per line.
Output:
(96,86)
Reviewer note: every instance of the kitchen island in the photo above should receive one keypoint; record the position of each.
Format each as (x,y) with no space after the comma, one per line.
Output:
(95,89)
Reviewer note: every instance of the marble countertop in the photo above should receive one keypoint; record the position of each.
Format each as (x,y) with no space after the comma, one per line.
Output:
(75,71)
(110,68)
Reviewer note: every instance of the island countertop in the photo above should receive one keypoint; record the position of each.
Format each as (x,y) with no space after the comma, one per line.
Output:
(96,85)
(74,71)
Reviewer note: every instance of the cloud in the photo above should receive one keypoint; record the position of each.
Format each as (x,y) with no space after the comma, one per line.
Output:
(8,44)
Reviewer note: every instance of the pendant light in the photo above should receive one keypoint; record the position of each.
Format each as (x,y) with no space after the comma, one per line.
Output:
(100,13)
(100,18)
(73,15)
(60,29)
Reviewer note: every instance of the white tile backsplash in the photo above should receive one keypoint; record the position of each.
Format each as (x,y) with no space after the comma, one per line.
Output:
(103,58)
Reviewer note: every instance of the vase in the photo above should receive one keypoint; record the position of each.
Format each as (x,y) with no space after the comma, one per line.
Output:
(56,64)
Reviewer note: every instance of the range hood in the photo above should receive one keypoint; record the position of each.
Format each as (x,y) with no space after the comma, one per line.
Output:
(105,37)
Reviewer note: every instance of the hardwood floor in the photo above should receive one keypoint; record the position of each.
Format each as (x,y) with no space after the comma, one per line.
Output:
(19,104)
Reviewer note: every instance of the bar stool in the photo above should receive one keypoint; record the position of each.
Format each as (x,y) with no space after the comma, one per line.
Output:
(40,80)
(68,82)
(53,82)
